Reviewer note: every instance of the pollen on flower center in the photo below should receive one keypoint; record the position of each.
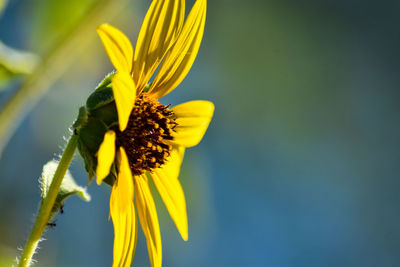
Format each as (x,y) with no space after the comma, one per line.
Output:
(150,123)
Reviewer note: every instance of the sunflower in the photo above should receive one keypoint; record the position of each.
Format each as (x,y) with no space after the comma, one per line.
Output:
(149,139)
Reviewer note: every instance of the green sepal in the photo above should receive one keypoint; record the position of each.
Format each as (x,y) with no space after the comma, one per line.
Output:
(91,136)
(100,97)
(101,105)
(82,118)
(68,186)
(106,81)
(147,87)
(94,120)
(110,179)
(88,159)
(107,114)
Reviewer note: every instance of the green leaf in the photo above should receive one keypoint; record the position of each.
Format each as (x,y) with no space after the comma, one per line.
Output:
(102,95)
(68,186)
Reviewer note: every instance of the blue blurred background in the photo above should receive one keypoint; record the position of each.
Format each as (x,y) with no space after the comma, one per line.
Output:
(298,168)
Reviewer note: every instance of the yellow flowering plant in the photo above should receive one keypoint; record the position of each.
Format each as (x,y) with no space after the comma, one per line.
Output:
(127,137)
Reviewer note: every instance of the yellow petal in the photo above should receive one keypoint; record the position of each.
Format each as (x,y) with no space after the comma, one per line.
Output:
(124,95)
(170,189)
(160,27)
(122,213)
(105,156)
(148,219)
(182,54)
(193,118)
(118,47)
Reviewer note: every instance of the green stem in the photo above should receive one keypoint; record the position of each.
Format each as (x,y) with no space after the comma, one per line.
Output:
(43,216)
(53,65)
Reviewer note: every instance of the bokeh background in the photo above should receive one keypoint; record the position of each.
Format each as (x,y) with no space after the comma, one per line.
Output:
(299,166)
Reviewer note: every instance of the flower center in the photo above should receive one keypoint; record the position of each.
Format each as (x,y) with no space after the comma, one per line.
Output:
(150,123)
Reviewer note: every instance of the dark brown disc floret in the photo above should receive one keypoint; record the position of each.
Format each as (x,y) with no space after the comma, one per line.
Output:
(150,125)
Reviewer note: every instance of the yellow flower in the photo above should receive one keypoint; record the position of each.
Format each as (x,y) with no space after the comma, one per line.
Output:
(150,138)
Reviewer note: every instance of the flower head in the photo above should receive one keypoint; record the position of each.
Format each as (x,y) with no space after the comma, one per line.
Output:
(146,139)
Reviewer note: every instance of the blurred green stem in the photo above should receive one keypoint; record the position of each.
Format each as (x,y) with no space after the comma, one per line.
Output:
(43,216)
(52,66)
(3,4)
